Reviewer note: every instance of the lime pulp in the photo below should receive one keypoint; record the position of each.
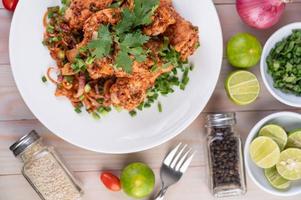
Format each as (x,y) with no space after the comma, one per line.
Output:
(242,87)
(275,179)
(275,132)
(289,165)
(294,139)
(264,152)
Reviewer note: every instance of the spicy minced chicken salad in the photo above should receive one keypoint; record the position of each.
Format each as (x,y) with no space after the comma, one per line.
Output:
(117,53)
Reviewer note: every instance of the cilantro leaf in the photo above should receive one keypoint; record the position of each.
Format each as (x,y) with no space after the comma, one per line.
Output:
(141,15)
(124,61)
(131,45)
(101,47)
(138,53)
(134,39)
(126,23)
(144,10)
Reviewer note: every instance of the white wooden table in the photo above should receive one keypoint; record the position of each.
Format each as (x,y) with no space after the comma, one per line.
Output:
(16,120)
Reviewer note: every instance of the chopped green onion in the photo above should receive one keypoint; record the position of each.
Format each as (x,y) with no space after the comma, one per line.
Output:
(44,79)
(108,109)
(133,113)
(90,60)
(82,97)
(140,107)
(164,66)
(50,29)
(147,105)
(78,65)
(100,100)
(44,42)
(77,110)
(95,116)
(87,88)
(83,49)
(52,11)
(159,107)
(118,109)
(69,79)
(154,68)
(66,2)
(53,39)
(102,111)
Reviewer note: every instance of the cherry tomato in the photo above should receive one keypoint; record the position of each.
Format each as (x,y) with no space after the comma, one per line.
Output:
(10,4)
(111,181)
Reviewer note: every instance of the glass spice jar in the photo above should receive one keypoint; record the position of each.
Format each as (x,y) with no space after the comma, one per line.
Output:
(226,167)
(44,170)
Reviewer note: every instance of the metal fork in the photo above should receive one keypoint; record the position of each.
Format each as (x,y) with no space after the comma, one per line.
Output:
(174,166)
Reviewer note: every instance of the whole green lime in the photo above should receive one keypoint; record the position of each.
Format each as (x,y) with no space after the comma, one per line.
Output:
(243,50)
(137,180)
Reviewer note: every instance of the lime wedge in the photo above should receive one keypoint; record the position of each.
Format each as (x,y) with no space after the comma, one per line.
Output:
(294,139)
(242,87)
(264,152)
(275,179)
(275,132)
(289,165)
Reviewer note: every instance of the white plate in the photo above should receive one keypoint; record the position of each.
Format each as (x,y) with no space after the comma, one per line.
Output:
(117,132)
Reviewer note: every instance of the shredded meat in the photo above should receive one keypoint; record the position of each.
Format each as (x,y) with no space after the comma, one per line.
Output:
(130,92)
(163,18)
(106,16)
(183,36)
(80,10)
(101,68)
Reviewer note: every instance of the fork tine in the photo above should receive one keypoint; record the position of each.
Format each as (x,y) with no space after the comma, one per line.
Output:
(177,156)
(186,163)
(182,160)
(171,154)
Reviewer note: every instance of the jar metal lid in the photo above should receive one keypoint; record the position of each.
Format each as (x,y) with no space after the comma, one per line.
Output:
(220,119)
(24,142)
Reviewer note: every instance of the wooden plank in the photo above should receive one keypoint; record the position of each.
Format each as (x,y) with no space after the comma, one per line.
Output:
(12,106)
(192,186)
(6,77)
(82,160)
(230,21)
(5,19)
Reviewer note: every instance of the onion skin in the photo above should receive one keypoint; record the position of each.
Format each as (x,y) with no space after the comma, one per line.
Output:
(260,14)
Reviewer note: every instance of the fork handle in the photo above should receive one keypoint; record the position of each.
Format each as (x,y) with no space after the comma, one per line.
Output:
(161,194)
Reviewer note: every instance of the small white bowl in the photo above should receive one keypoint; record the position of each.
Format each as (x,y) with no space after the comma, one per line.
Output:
(288,99)
(289,121)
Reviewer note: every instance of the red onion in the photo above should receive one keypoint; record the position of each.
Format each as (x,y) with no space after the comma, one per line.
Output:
(261,14)
(81,85)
